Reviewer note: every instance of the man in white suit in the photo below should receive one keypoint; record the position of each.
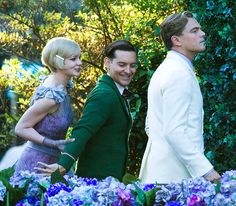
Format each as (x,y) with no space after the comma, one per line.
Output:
(174,124)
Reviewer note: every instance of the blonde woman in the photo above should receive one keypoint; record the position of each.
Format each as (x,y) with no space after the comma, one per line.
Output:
(46,122)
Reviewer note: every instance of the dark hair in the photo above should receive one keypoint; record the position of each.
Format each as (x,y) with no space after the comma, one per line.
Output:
(123,45)
(174,24)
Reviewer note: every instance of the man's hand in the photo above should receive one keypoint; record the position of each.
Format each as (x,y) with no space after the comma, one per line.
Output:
(213,175)
(47,170)
(57,144)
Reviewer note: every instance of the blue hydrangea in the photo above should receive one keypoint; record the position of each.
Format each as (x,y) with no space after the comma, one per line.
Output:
(29,201)
(2,191)
(148,187)
(34,180)
(173,203)
(227,195)
(55,189)
(228,176)
(109,191)
(199,187)
(163,195)
(63,198)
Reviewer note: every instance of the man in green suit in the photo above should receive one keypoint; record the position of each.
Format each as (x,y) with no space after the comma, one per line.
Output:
(101,134)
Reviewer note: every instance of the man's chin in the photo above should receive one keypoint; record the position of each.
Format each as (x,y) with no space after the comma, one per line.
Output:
(202,49)
(125,83)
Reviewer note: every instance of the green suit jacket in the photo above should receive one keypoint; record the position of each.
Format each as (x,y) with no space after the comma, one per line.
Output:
(101,134)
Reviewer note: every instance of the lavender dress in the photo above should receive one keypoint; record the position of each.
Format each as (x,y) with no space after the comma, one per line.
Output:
(53,126)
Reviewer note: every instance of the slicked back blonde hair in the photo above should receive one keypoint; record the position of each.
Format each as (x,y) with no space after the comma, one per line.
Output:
(62,47)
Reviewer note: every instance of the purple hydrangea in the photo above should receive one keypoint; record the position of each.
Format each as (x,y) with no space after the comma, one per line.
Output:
(199,192)
(163,195)
(195,200)
(124,197)
(227,195)
(200,189)
(176,191)
(228,176)
(109,191)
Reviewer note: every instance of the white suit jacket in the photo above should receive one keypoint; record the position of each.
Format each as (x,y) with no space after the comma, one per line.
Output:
(175,124)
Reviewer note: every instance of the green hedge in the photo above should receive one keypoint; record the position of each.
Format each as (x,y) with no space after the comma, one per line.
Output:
(217,71)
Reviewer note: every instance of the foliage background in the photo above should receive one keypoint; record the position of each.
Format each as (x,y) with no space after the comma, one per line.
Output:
(217,71)
(26,25)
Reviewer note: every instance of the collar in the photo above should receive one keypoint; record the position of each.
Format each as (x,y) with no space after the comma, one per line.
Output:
(119,87)
(183,58)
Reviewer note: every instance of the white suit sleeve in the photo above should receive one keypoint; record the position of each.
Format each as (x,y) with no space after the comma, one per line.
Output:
(177,98)
(147,126)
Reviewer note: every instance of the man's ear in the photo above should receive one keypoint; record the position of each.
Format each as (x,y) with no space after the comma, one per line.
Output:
(175,41)
(107,62)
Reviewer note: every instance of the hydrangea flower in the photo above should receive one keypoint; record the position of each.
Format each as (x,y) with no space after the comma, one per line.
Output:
(34,192)
(173,203)
(111,192)
(227,195)
(29,201)
(148,187)
(198,191)
(196,200)
(54,189)
(63,198)
(79,181)
(124,197)
(20,179)
(163,195)
(2,191)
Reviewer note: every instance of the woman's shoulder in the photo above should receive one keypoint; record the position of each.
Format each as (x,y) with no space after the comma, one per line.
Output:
(57,93)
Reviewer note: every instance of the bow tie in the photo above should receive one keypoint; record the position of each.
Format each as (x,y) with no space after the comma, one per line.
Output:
(126,93)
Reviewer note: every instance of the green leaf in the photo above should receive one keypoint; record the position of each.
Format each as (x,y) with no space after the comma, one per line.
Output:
(8,199)
(156,30)
(7,173)
(5,176)
(129,179)
(42,200)
(44,186)
(150,196)
(57,177)
(140,198)
(138,104)
(15,194)
(217,187)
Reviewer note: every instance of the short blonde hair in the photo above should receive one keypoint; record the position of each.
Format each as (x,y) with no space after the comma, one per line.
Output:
(60,46)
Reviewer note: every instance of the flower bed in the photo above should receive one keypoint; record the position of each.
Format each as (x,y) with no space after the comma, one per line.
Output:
(29,189)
